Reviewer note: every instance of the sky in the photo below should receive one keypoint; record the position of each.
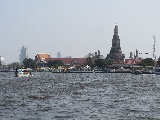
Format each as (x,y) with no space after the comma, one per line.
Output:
(78,27)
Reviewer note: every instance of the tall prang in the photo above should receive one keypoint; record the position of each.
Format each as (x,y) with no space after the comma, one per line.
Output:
(115,52)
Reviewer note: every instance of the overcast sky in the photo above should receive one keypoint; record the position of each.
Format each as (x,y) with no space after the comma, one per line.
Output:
(77,27)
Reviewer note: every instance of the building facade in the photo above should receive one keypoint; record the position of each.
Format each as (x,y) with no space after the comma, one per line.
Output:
(23,54)
(115,53)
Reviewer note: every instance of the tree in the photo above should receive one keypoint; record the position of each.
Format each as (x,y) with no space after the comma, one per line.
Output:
(29,63)
(55,63)
(109,61)
(90,61)
(101,63)
(147,62)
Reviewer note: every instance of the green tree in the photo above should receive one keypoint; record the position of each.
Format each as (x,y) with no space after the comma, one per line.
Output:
(109,61)
(147,62)
(90,61)
(55,63)
(29,63)
(101,63)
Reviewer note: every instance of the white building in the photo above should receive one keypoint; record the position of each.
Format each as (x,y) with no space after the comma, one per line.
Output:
(2,60)
(23,54)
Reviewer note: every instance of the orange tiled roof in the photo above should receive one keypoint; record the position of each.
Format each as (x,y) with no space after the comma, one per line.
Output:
(42,56)
(132,61)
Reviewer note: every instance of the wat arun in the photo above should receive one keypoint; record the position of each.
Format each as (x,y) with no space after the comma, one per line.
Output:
(115,53)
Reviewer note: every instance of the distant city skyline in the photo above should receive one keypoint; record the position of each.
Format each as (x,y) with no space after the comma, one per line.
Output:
(76,28)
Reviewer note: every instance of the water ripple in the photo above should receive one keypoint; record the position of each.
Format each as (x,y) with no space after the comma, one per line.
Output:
(79,96)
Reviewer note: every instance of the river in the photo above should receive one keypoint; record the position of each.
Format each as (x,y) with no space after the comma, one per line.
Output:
(79,96)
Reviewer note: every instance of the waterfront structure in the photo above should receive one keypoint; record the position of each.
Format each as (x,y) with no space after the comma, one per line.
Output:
(133,61)
(115,53)
(23,54)
(128,63)
(58,55)
(41,57)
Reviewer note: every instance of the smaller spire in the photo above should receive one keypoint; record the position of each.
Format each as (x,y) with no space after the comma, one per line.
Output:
(116,30)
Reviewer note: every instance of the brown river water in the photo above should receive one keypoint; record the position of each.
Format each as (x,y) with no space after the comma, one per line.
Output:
(80,96)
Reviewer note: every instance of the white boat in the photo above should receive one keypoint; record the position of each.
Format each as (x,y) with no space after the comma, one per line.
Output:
(23,73)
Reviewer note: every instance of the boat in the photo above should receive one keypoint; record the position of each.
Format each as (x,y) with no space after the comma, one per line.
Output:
(157,69)
(123,70)
(137,72)
(148,72)
(23,73)
(120,70)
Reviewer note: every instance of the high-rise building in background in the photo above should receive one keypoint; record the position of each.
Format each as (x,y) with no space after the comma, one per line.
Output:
(115,52)
(2,60)
(23,54)
(58,55)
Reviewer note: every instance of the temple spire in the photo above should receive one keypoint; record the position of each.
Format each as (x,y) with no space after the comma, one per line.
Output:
(116,30)
(115,52)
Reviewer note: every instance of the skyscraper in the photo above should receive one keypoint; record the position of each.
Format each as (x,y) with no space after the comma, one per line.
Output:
(23,54)
(58,55)
(115,52)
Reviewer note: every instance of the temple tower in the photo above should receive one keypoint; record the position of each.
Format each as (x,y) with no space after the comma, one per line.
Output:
(115,52)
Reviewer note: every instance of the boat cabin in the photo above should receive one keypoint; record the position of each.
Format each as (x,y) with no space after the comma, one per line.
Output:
(23,73)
